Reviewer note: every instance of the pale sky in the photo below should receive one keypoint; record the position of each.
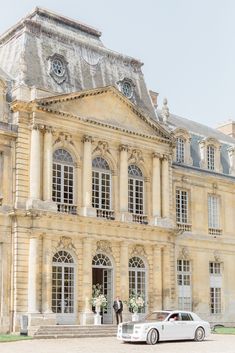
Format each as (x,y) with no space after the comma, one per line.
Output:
(187,46)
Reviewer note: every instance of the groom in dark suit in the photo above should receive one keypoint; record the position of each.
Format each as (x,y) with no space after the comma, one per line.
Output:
(118,307)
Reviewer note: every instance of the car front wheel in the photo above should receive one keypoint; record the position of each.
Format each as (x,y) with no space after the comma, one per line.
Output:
(199,334)
(152,336)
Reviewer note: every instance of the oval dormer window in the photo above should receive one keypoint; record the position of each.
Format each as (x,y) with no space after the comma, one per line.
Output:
(58,67)
(127,89)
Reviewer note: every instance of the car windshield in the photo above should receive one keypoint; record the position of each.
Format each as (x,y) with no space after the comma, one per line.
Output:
(157,316)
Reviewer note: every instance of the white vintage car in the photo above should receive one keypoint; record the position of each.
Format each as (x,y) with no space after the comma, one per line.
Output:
(165,326)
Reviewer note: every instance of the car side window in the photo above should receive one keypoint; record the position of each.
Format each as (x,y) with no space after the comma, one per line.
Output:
(186,317)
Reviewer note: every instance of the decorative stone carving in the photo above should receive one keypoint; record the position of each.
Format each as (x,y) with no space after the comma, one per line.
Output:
(64,138)
(91,57)
(217,256)
(136,157)
(104,245)
(184,253)
(123,148)
(138,250)
(65,243)
(165,111)
(87,138)
(102,148)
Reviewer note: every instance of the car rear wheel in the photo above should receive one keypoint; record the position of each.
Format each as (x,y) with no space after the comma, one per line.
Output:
(199,334)
(152,336)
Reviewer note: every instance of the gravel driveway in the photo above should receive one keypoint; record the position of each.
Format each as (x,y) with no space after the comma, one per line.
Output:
(215,344)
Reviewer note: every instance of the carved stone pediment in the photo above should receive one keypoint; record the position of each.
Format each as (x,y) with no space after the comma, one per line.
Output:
(102,148)
(64,139)
(136,156)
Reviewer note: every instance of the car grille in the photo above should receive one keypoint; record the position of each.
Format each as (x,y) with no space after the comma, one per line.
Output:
(127,328)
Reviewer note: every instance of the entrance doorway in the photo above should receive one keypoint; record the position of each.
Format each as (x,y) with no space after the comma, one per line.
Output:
(102,274)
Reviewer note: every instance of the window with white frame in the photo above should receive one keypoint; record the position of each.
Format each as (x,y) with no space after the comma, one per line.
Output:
(135,190)
(182,206)
(213,211)
(63,177)
(180,150)
(137,279)
(62,283)
(210,157)
(101,184)
(184,284)
(215,287)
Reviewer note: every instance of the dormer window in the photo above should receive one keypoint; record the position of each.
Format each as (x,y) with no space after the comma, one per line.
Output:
(126,86)
(210,154)
(58,68)
(211,157)
(180,153)
(182,148)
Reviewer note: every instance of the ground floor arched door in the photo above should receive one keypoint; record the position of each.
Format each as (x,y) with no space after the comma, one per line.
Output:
(102,274)
(63,288)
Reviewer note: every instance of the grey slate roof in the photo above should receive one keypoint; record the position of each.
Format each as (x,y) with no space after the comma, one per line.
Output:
(199,132)
(25,51)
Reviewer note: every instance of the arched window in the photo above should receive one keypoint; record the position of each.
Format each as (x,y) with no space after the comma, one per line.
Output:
(180,150)
(101,260)
(62,283)
(137,278)
(63,181)
(101,184)
(135,190)
(211,157)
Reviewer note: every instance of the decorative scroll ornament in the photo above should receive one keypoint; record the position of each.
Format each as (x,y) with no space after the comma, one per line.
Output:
(138,250)
(65,243)
(102,148)
(184,254)
(104,246)
(64,138)
(217,256)
(91,57)
(136,156)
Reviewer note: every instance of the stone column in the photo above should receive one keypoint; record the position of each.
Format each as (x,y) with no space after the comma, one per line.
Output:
(165,187)
(87,209)
(35,163)
(157,277)
(166,279)
(32,276)
(124,277)
(47,165)
(46,275)
(123,181)
(156,185)
(87,316)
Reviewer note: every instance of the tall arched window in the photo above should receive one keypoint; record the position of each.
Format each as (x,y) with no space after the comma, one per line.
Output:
(101,187)
(135,190)
(62,283)
(137,278)
(63,181)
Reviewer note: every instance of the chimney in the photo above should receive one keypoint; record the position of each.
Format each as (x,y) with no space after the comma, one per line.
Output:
(228,128)
(154,97)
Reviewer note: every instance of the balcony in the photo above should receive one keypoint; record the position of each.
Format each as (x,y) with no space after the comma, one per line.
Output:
(108,214)
(215,231)
(139,218)
(67,208)
(184,227)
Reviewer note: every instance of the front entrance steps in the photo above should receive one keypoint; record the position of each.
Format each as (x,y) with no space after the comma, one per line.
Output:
(75,331)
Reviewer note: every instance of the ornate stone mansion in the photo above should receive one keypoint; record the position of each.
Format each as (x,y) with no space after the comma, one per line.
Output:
(97,185)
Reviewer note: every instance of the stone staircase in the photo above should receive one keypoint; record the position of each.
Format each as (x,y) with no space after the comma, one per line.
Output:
(75,331)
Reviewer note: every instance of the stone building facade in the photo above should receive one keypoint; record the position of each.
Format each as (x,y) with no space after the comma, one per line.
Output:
(99,186)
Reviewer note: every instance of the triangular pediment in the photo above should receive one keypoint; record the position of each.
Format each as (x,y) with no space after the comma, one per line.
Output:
(106,106)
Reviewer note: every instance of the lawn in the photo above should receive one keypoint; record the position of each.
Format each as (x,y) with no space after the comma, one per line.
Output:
(11,338)
(224,330)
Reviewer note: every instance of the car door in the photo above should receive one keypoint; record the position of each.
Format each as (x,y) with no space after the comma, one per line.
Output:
(172,329)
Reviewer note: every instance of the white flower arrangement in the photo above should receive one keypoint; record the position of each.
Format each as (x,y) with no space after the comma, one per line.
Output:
(135,302)
(98,298)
